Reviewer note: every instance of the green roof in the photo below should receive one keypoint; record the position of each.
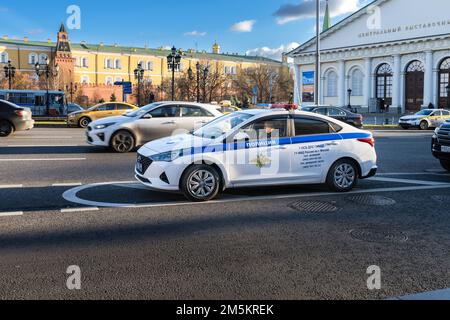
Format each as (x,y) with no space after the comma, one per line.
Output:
(143,51)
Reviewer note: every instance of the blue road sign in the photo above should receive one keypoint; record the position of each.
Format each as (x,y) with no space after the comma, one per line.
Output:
(127,88)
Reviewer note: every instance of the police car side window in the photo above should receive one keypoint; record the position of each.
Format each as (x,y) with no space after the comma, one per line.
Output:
(267,128)
(307,127)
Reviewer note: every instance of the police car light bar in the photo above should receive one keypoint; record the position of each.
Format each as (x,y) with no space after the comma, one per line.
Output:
(287,107)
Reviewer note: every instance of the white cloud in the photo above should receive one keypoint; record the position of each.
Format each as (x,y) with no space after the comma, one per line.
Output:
(307,9)
(272,53)
(34,31)
(195,33)
(243,26)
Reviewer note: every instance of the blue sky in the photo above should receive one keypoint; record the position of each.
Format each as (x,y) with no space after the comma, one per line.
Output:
(266,27)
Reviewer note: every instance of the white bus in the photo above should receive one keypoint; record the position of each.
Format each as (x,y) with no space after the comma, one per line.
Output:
(36,101)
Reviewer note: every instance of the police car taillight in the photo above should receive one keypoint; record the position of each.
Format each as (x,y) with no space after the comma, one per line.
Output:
(370,141)
(288,107)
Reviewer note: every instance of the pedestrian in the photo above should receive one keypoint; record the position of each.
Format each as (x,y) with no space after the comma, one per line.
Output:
(152,97)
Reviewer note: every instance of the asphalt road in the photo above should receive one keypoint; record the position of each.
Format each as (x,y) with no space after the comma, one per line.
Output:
(64,203)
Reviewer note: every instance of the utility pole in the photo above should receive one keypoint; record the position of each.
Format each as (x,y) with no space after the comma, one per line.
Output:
(317,72)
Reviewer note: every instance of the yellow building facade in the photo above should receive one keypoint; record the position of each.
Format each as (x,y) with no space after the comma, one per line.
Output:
(100,65)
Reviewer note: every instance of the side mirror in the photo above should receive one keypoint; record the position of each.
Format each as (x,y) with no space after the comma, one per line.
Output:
(147,116)
(241,136)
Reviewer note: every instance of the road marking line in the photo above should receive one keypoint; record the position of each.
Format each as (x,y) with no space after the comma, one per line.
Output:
(11,214)
(42,146)
(408,181)
(11,186)
(72,210)
(71,196)
(75,184)
(43,159)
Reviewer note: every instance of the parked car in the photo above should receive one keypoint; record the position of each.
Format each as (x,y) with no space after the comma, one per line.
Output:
(425,119)
(14,118)
(441,145)
(157,120)
(341,114)
(100,111)
(258,148)
(73,107)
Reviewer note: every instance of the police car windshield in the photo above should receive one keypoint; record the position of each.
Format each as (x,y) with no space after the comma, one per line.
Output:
(143,110)
(222,125)
(424,113)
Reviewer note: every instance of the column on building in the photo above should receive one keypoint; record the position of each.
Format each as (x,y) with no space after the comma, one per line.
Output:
(297,84)
(428,79)
(341,84)
(367,81)
(396,85)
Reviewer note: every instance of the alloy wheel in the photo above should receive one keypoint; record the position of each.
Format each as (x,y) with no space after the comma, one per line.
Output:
(344,176)
(123,142)
(201,183)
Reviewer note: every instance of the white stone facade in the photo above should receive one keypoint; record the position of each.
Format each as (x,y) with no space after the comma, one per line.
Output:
(426,48)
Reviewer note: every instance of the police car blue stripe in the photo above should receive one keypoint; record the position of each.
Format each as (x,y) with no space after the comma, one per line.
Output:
(277,142)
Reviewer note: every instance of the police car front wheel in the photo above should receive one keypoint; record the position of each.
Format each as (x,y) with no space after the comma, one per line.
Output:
(343,176)
(200,183)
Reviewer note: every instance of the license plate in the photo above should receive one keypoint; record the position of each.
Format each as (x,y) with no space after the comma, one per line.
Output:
(139,167)
(445,149)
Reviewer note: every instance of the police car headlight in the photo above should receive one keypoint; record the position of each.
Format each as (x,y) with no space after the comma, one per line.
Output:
(104,126)
(167,156)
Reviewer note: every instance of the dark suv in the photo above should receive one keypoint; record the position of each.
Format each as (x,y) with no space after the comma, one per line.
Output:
(337,113)
(14,118)
(441,145)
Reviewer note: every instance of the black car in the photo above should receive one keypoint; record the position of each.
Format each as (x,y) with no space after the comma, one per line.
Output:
(441,145)
(337,113)
(14,118)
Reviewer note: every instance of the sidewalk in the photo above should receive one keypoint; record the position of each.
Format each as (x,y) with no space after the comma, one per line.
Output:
(379,119)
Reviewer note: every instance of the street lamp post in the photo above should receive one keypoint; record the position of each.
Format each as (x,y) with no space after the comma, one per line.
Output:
(349,92)
(71,89)
(205,78)
(47,71)
(291,98)
(139,75)
(10,73)
(174,62)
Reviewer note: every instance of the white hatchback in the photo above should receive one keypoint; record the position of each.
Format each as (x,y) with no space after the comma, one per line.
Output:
(258,148)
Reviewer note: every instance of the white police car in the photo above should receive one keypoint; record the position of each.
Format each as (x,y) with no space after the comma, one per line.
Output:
(258,148)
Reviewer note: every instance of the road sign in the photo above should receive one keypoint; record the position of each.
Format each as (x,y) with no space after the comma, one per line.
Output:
(127,88)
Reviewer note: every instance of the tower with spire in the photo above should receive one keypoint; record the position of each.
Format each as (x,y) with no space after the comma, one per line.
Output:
(216,48)
(326,20)
(63,58)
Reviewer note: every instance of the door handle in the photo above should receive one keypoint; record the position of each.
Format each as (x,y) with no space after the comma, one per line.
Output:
(281,148)
(170,122)
(334,143)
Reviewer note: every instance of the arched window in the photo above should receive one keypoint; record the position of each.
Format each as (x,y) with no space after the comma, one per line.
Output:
(109,81)
(118,79)
(43,58)
(357,82)
(118,64)
(332,84)
(85,62)
(150,66)
(384,83)
(109,64)
(4,57)
(32,58)
(444,82)
(415,66)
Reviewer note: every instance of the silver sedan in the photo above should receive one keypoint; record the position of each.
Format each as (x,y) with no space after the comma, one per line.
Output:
(154,121)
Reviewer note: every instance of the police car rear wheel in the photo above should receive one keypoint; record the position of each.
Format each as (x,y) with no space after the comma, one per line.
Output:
(445,164)
(343,176)
(200,183)
(424,125)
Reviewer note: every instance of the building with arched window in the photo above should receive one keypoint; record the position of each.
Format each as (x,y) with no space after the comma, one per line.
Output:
(400,60)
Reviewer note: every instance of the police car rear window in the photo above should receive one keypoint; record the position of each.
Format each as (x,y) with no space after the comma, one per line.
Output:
(307,126)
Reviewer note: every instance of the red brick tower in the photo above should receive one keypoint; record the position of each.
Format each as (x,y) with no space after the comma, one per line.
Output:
(64,59)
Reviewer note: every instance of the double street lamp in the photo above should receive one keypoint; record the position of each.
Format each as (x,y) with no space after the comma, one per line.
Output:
(200,70)
(10,73)
(174,63)
(71,89)
(46,70)
(139,75)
